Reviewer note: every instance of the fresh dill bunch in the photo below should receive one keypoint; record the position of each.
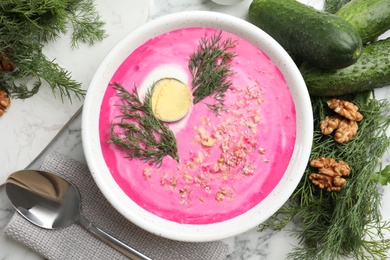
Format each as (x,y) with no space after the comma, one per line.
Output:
(139,132)
(49,19)
(332,6)
(211,70)
(26,25)
(347,222)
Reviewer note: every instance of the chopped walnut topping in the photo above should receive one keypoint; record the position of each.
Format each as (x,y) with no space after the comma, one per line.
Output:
(345,128)
(224,193)
(208,142)
(219,196)
(330,173)
(221,160)
(346,109)
(148,173)
(233,158)
(5,102)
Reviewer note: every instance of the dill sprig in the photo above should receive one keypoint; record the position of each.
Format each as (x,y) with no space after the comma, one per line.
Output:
(210,68)
(26,25)
(139,132)
(37,66)
(348,222)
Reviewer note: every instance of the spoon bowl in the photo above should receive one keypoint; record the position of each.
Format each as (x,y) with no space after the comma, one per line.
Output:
(51,202)
(47,201)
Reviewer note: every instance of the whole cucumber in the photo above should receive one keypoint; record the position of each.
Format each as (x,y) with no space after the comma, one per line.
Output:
(324,39)
(370,17)
(372,70)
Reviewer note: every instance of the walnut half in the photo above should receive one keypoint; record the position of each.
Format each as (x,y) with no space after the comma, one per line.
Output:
(344,122)
(345,128)
(330,173)
(345,109)
(5,102)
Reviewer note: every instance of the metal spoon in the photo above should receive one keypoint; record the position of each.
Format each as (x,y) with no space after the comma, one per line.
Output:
(51,202)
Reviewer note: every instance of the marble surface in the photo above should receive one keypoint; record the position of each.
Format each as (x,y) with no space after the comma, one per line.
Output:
(251,245)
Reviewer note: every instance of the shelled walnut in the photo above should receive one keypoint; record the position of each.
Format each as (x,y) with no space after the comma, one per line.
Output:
(5,102)
(345,109)
(344,122)
(345,128)
(330,173)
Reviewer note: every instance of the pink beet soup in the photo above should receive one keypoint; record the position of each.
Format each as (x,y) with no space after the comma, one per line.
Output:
(228,163)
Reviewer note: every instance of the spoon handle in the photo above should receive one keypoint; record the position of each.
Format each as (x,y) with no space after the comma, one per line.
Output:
(112,241)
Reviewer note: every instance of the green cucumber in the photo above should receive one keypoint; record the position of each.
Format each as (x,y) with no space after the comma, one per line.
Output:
(370,17)
(372,70)
(308,34)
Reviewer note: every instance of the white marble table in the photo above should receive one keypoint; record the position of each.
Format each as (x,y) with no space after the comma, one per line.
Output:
(252,245)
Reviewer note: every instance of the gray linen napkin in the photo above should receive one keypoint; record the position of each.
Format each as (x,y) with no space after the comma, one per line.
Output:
(74,242)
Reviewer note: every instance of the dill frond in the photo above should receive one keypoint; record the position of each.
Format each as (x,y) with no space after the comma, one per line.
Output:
(348,222)
(86,23)
(211,70)
(139,132)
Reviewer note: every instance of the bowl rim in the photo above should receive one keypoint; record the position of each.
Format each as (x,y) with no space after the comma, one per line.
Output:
(196,232)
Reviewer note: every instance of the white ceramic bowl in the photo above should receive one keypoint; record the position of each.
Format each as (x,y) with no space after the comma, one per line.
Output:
(197,232)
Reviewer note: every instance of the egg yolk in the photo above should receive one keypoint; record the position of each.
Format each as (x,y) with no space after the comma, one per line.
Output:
(171,99)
